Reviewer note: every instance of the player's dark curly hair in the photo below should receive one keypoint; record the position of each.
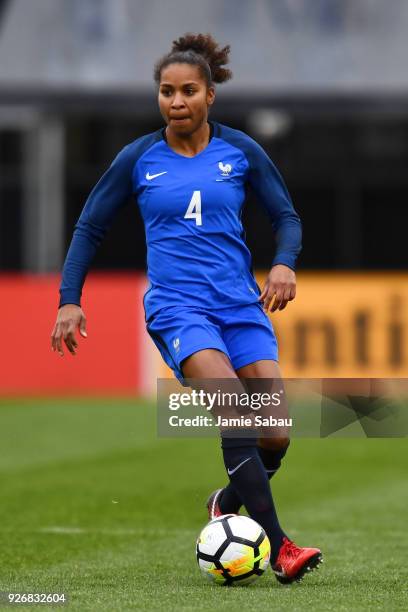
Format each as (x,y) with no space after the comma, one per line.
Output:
(200,50)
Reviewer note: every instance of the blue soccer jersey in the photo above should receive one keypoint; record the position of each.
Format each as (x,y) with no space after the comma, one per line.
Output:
(191,208)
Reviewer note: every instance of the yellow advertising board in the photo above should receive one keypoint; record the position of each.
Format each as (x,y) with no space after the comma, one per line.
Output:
(342,325)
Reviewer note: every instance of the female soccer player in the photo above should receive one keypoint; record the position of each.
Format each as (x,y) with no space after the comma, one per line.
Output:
(203,308)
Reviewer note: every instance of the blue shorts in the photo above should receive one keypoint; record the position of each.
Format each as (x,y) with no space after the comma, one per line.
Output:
(243,333)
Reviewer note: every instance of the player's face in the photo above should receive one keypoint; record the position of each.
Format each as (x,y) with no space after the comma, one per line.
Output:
(184,98)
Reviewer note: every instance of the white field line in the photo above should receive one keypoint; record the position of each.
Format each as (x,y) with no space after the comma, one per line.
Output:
(61,529)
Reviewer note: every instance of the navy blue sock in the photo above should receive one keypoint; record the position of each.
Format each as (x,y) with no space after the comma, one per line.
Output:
(271,459)
(250,481)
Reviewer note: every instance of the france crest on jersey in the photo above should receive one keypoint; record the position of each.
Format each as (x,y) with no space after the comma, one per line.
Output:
(191,208)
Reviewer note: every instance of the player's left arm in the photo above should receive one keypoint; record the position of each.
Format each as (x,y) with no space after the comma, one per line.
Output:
(271,192)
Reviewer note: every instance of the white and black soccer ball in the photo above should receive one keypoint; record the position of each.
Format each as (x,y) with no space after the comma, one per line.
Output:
(233,549)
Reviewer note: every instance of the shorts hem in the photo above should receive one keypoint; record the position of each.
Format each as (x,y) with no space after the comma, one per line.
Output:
(248,359)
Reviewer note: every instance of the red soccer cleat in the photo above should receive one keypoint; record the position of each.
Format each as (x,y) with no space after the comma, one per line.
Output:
(213,508)
(294,562)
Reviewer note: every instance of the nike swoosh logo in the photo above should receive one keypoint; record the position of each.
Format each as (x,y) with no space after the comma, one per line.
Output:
(150,177)
(238,466)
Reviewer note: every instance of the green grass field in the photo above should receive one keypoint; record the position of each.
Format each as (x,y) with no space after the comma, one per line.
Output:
(94,505)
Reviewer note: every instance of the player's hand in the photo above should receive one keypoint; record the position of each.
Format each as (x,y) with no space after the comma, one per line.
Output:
(69,318)
(280,286)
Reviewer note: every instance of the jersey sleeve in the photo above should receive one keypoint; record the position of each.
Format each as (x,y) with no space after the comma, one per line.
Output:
(108,196)
(272,194)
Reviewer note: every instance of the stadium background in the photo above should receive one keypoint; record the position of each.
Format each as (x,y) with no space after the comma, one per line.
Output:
(323,87)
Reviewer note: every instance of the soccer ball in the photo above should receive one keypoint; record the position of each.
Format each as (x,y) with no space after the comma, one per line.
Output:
(233,549)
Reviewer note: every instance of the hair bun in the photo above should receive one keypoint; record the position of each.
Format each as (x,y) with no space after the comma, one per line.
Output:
(206,46)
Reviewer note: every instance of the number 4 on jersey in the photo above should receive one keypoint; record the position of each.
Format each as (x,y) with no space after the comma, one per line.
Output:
(194,208)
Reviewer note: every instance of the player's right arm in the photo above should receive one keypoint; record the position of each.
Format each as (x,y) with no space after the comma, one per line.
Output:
(70,317)
(110,194)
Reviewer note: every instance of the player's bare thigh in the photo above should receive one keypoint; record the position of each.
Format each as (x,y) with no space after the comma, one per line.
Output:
(208,363)
(204,369)
(267,369)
